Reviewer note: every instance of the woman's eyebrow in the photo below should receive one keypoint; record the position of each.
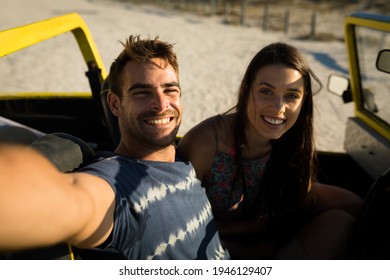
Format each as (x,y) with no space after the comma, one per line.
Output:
(272,86)
(265,83)
(295,89)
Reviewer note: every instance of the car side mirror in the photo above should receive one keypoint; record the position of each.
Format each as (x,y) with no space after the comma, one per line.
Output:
(383,61)
(340,86)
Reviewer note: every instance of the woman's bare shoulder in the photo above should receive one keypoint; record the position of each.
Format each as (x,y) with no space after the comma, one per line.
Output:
(202,133)
(198,145)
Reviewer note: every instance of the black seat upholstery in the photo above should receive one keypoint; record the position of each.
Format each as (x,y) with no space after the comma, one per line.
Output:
(372,232)
(65,151)
(110,119)
(17,135)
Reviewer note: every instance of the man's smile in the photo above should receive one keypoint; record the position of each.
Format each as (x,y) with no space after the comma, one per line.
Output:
(159,121)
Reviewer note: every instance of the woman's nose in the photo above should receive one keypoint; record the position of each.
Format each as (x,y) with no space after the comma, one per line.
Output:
(278,103)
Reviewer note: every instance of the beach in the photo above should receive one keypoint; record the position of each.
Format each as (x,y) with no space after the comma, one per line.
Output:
(212,56)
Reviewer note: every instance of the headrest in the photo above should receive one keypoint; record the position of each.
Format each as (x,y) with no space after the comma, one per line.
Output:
(65,151)
(110,119)
(17,135)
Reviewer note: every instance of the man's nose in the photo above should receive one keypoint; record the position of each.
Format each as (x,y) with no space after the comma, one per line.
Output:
(160,101)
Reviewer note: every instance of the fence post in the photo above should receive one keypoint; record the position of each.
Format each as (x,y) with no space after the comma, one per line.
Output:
(228,11)
(204,7)
(244,4)
(213,7)
(182,4)
(266,16)
(313,24)
(286,21)
(196,6)
(219,6)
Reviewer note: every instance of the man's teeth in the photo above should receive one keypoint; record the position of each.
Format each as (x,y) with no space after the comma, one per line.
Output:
(273,121)
(159,121)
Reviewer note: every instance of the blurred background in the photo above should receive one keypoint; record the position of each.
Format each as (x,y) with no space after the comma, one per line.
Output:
(314,19)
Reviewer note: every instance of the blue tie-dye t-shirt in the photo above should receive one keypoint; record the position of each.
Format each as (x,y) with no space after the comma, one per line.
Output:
(161,211)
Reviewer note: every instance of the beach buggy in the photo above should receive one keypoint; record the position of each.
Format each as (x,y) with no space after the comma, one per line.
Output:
(84,120)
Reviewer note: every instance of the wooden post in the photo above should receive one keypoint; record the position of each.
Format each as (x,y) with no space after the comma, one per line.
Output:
(266,16)
(196,6)
(286,21)
(228,11)
(204,7)
(313,24)
(220,6)
(244,4)
(213,7)
(182,4)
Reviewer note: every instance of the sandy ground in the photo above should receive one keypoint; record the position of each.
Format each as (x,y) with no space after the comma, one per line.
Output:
(213,57)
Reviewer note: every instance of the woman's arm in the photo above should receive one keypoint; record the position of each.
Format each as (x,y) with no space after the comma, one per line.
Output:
(41,206)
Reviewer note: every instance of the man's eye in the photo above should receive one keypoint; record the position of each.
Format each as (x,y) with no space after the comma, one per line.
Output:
(140,93)
(172,91)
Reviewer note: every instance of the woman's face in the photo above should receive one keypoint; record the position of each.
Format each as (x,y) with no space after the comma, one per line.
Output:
(275,101)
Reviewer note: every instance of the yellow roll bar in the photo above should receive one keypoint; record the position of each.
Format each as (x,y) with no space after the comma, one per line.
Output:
(375,22)
(15,39)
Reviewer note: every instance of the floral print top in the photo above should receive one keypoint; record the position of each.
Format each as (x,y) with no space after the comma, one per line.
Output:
(225,191)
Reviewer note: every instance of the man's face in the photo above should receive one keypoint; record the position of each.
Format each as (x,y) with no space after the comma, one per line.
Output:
(150,109)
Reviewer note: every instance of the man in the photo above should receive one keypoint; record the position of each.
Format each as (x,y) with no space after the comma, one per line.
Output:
(142,202)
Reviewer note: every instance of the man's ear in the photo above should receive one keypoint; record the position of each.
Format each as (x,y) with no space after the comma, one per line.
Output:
(114,103)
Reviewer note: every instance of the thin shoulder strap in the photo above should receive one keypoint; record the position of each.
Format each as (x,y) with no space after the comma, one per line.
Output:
(212,122)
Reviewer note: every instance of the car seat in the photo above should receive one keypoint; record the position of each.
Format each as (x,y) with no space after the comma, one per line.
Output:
(110,119)
(372,232)
(67,152)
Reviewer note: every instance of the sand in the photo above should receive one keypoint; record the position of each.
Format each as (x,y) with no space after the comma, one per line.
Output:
(213,57)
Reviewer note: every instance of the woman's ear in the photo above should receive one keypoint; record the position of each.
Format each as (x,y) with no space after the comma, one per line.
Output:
(114,103)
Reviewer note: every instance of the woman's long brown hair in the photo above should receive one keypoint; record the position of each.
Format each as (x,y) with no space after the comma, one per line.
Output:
(291,166)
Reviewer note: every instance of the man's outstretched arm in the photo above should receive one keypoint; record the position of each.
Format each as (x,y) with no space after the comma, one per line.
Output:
(41,206)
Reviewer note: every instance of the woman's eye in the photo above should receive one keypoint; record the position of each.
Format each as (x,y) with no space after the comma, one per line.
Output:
(293,96)
(266,91)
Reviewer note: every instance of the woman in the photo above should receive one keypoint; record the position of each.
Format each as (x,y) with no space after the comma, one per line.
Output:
(257,163)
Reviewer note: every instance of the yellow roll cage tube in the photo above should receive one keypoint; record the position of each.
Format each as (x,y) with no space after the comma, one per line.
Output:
(374,22)
(16,39)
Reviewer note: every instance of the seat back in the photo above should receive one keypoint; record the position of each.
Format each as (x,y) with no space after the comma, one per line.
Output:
(372,232)
(110,119)
(67,152)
